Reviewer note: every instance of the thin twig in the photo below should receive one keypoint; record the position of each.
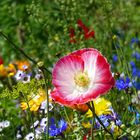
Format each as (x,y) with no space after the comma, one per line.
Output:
(15,47)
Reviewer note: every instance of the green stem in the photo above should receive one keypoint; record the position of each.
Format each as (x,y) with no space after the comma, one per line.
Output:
(93,120)
(126,132)
(46,88)
(30,115)
(67,118)
(94,114)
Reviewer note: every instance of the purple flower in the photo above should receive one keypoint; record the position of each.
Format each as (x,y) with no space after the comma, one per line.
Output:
(109,120)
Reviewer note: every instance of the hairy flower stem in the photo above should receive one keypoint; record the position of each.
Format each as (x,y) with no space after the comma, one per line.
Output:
(15,47)
(92,108)
(46,88)
(93,119)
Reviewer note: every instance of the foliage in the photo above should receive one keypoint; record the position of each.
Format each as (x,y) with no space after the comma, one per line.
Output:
(47,30)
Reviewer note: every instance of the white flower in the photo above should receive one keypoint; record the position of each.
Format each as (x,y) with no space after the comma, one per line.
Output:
(30,136)
(18,136)
(39,75)
(19,75)
(44,106)
(26,78)
(6,123)
(40,130)
(35,124)
(1,126)
(43,122)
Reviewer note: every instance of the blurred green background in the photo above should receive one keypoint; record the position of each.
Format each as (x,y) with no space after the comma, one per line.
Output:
(41,27)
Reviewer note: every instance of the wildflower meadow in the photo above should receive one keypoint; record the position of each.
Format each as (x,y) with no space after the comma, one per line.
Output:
(70,70)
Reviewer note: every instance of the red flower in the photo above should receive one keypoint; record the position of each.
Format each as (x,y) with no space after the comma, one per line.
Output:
(81,77)
(1,60)
(72,35)
(87,33)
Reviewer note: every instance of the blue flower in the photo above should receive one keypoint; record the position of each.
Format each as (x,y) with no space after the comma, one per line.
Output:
(115,58)
(104,120)
(134,40)
(137,85)
(137,120)
(135,71)
(56,129)
(107,119)
(136,55)
(132,63)
(122,83)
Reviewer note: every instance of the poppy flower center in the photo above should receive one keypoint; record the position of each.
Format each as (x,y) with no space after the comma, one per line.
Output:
(81,79)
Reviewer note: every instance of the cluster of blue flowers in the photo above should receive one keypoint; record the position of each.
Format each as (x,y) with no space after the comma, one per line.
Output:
(123,83)
(57,129)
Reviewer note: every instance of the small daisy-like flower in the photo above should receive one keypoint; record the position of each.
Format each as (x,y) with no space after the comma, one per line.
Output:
(35,124)
(26,78)
(30,136)
(39,75)
(44,106)
(18,135)
(43,122)
(18,75)
(6,124)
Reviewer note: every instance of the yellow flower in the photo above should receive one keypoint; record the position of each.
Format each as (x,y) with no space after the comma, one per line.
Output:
(114,37)
(101,107)
(3,71)
(23,105)
(86,124)
(11,70)
(34,101)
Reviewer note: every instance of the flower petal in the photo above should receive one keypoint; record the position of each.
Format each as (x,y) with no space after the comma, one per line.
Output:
(80,52)
(64,72)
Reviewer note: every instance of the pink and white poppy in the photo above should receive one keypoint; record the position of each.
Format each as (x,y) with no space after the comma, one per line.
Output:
(81,77)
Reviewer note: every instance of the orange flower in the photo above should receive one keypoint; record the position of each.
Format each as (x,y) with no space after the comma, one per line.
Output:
(80,107)
(23,65)
(3,71)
